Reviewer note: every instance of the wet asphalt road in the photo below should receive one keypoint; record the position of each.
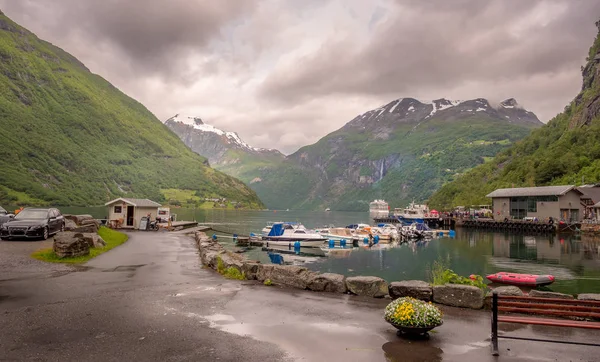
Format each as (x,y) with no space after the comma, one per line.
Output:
(150,300)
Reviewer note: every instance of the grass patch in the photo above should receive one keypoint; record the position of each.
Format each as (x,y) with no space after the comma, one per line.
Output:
(440,274)
(112,238)
(230,272)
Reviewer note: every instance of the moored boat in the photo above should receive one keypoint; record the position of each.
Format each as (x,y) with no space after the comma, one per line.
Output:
(530,280)
(286,234)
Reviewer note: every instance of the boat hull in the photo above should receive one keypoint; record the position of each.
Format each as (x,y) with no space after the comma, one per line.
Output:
(528,280)
(313,243)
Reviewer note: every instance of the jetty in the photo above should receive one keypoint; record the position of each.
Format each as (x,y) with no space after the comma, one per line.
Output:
(510,225)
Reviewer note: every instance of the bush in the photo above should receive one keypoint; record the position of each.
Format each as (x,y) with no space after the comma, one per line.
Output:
(441,274)
(233,273)
(411,312)
(268,282)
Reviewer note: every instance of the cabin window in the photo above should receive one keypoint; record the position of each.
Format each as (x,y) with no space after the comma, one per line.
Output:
(300,232)
(118,209)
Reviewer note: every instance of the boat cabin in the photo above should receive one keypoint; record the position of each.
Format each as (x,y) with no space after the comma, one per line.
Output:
(127,213)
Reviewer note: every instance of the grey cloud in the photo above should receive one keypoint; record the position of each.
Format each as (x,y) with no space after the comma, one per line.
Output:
(153,36)
(435,45)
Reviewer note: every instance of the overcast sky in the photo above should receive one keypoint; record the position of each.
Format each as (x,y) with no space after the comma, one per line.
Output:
(283,73)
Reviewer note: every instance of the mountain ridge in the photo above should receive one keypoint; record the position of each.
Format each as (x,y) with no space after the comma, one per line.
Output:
(365,158)
(69,137)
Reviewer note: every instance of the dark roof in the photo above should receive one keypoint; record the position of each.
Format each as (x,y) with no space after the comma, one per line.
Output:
(592,193)
(533,191)
(135,202)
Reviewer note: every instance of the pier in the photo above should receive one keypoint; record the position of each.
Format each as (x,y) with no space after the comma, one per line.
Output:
(508,225)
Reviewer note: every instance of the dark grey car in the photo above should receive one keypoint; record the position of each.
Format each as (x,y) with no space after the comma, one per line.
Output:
(33,223)
(5,216)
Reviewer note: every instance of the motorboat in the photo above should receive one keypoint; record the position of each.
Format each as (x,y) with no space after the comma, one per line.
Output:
(417,230)
(287,233)
(528,280)
(338,234)
(386,232)
(379,208)
(415,213)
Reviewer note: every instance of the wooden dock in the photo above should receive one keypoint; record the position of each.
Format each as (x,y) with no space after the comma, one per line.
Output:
(508,225)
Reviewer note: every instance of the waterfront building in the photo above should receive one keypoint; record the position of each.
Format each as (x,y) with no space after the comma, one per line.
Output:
(541,203)
(127,213)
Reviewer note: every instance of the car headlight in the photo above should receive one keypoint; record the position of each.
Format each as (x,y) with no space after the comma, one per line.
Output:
(36,227)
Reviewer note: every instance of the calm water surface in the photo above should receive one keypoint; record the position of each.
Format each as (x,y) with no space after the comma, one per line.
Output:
(574,260)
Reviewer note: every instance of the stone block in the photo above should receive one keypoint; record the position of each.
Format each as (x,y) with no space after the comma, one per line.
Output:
(250,270)
(367,286)
(543,294)
(417,289)
(458,295)
(588,296)
(67,245)
(506,290)
(328,282)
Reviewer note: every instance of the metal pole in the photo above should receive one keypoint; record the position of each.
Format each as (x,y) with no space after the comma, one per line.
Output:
(495,324)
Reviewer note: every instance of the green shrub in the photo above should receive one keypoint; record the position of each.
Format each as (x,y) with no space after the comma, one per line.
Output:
(268,282)
(440,274)
(233,273)
(220,265)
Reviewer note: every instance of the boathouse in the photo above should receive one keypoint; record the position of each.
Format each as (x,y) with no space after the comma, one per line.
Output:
(127,213)
(541,203)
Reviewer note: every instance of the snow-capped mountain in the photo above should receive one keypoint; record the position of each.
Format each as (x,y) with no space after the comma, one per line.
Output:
(222,148)
(412,110)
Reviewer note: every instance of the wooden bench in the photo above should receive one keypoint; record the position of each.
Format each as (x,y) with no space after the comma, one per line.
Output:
(586,312)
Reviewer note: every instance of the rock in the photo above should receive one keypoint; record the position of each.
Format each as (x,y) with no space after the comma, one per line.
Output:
(506,290)
(67,244)
(411,288)
(328,282)
(588,296)
(289,275)
(93,240)
(89,222)
(367,286)
(250,270)
(89,228)
(542,294)
(458,295)
(80,218)
(70,225)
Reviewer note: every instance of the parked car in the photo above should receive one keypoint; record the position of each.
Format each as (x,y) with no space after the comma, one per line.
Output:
(5,216)
(33,223)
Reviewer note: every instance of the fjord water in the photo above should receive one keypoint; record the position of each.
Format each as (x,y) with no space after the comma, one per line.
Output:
(574,260)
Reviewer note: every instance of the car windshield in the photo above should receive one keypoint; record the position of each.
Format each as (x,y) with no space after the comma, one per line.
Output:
(2,211)
(32,214)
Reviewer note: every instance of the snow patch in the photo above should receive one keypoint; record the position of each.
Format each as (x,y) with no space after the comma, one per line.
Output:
(411,108)
(232,136)
(395,105)
(480,109)
(505,106)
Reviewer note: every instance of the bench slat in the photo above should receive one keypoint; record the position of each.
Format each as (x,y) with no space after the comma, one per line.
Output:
(549,312)
(549,322)
(567,307)
(550,300)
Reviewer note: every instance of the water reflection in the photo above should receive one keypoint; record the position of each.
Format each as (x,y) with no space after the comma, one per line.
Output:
(573,260)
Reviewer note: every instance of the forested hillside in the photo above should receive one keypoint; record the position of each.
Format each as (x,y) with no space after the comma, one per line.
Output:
(564,151)
(69,137)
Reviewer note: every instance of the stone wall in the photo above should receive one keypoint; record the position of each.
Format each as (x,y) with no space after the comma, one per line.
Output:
(299,277)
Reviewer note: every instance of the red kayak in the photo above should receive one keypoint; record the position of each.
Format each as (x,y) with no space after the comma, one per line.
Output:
(530,280)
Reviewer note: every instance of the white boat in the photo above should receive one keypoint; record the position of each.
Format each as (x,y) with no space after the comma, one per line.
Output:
(379,208)
(287,233)
(387,232)
(417,230)
(414,212)
(339,234)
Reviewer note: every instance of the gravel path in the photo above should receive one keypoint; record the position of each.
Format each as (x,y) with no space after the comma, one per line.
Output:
(16,262)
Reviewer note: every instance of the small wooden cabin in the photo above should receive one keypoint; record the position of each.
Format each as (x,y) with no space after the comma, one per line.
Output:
(126,213)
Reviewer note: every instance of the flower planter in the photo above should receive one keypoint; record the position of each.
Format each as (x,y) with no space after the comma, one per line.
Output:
(414,330)
(413,316)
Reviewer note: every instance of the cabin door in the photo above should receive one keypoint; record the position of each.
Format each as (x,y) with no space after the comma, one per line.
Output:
(129,215)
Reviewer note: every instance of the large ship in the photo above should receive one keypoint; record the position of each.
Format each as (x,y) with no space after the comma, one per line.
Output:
(379,208)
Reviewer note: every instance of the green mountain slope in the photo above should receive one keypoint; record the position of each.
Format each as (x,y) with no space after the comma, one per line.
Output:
(565,151)
(68,137)
(401,152)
